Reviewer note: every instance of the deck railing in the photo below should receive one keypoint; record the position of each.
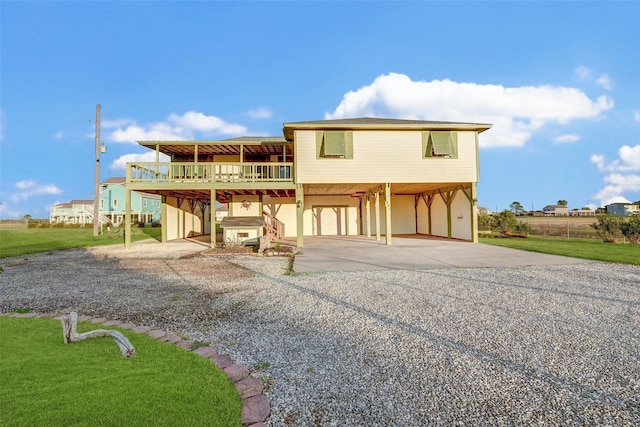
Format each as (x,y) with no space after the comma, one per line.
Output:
(167,172)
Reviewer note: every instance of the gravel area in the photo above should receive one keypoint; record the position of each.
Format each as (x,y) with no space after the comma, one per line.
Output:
(544,345)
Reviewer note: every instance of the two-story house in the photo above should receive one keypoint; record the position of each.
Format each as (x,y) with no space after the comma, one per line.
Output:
(365,176)
(73,212)
(144,207)
(623,209)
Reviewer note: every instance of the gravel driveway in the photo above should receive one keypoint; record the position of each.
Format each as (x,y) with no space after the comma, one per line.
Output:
(543,345)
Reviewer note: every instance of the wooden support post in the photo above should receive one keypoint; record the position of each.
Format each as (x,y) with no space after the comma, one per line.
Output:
(377,209)
(163,219)
(299,215)
(127,220)
(368,215)
(212,219)
(387,206)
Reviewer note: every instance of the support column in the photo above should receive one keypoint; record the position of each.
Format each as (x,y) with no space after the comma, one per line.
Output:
(387,207)
(212,215)
(474,213)
(299,215)
(163,220)
(377,209)
(127,219)
(368,215)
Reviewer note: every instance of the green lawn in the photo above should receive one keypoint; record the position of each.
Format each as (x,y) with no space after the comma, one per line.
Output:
(89,383)
(589,249)
(14,242)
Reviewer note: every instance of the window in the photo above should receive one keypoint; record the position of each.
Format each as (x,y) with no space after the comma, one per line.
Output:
(440,144)
(115,203)
(144,203)
(101,203)
(334,145)
(243,234)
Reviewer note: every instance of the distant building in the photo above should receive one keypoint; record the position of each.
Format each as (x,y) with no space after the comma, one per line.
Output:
(586,211)
(555,210)
(145,207)
(73,212)
(623,209)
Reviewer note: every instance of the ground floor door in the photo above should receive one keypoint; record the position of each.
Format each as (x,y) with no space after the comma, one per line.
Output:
(330,220)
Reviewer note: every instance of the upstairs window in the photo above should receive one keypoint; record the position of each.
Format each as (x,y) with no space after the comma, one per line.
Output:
(440,145)
(334,145)
(114,203)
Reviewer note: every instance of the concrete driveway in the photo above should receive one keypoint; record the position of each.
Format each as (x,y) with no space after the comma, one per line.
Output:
(411,252)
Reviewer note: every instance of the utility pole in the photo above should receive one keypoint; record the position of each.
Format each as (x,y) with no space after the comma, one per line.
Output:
(96,197)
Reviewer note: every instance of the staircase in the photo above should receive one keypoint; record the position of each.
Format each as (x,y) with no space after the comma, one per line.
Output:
(274,230)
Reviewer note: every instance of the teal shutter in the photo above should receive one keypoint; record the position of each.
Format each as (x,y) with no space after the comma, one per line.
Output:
(426,148)
(454,145)
(319,140)
(334,144)
(441,143)
(348,142)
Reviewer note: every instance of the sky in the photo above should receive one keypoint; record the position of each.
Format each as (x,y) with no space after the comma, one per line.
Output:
(559,81)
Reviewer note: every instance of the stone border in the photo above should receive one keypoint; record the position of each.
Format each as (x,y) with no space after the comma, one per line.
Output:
(256,408)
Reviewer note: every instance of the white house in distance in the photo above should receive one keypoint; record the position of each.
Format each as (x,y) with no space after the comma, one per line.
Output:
(362,176)
(73,212)
(623,209)
(111,207)
(555,210)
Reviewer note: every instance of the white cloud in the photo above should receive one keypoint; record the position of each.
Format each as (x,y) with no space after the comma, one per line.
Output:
(636,116)
(260,113)
(566,139)
(605,81)
(176,127)
(621,178)
(121,162)
(628,160)
(586,74)
(58,136)
(29,188)
(516,113)
(583,73)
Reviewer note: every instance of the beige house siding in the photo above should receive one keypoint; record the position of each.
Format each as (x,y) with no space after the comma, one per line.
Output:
(181,222)
(284,209)
(349,214)
(423,217)
(403,216)
(460,213)
(385,156)
(236,207)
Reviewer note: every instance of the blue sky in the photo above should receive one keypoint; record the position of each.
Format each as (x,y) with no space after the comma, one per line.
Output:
(559,81)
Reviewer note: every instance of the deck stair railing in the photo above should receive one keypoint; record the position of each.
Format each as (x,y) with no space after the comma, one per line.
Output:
(273,226)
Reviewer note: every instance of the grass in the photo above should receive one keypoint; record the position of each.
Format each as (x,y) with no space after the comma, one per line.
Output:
(577,248)
(15,242)
(89,383)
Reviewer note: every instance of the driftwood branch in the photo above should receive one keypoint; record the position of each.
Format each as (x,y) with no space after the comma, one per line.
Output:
(70,322)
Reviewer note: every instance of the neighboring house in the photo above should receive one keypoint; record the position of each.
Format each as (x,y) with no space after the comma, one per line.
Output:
(222,211)
(144,207)
(585,211)
(365,176)
(555,210)
(73,212)
(623,209)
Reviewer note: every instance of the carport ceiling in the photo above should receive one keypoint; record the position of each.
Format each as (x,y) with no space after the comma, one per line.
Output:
(249,145)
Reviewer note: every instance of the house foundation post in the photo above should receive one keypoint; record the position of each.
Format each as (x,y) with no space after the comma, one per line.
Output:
(376,202)
(299,215)
(212,217)
(387,212)
(368,215)
(127,219)
(163,220)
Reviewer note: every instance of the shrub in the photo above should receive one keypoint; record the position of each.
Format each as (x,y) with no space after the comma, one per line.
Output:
(608,227)
(484,221)
(522,228)
(631,229)
(505,221)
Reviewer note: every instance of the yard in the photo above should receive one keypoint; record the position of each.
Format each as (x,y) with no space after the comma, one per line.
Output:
(537,345)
